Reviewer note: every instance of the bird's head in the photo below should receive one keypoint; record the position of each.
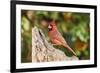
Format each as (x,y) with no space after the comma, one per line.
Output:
(52,25)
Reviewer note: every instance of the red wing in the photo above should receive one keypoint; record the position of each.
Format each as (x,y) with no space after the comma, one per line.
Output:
(55,35)
(57,42)
(60,38)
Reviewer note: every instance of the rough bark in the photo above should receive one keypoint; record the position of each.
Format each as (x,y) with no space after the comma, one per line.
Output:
(43,51)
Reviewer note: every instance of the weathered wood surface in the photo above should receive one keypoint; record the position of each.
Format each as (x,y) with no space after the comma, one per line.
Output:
(43,51)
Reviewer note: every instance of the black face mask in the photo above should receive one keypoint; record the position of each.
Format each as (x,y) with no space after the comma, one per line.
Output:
(50,29)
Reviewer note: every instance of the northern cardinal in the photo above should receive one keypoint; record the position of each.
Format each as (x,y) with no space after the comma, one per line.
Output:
(56,37)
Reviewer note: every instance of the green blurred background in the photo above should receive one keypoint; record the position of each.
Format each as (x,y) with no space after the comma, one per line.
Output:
(73,26)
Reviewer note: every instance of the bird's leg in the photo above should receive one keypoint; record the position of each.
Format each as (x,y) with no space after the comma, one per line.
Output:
(56,45)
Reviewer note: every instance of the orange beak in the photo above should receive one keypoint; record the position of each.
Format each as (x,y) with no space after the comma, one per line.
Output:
(49,26)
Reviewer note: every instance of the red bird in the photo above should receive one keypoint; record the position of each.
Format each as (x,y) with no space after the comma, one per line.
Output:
(56,37)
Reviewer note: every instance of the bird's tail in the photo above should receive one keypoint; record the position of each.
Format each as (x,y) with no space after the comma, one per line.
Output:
(70,49)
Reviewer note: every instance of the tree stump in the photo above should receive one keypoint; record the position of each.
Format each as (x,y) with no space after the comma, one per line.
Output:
(43,51)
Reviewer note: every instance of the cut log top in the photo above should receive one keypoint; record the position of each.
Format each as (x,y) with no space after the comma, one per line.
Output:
(43,51)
